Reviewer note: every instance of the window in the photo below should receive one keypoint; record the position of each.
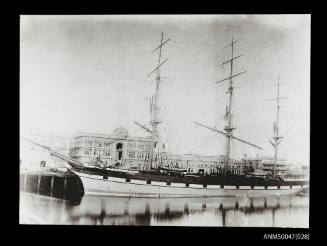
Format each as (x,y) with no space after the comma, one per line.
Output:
(119,146)
(106,152)
(131,145)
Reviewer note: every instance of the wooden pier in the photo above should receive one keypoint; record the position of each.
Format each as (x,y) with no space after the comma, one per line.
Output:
(64,185)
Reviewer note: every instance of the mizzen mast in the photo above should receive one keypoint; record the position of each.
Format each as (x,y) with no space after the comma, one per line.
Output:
(276,138)
(229,128)
(154,107)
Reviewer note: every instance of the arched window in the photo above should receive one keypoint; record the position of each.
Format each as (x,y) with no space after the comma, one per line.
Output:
(119,146)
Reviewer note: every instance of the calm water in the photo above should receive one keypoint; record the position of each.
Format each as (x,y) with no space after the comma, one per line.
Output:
(288,211)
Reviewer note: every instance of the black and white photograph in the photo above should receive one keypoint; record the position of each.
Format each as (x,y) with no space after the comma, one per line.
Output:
(194,120)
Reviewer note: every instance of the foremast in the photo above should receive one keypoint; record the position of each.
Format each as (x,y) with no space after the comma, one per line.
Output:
(229,128)
(154,105)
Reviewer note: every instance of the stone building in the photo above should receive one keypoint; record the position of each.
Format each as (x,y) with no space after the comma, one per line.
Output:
(113,150)
(249,164)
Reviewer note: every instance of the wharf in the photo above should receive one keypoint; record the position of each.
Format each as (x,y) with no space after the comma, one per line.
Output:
(64,185)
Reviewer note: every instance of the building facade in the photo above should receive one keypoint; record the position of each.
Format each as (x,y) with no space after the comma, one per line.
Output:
(113,150)
(265,163)
(268,164)
(250,164)
(195,164)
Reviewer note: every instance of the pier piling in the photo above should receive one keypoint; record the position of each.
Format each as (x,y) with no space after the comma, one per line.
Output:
(65,187)
(25,179)
(38,182)
(51,189)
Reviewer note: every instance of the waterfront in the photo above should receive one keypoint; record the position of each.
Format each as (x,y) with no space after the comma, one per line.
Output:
(284,211)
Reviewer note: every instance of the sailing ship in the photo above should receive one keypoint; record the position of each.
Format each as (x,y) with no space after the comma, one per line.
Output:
(158,180)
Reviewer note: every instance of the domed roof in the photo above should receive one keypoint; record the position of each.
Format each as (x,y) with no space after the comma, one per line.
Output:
(120,132)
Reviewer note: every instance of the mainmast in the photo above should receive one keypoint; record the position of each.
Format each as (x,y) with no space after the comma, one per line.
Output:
(154,107)
(229,116)
(229,128)
(276,138)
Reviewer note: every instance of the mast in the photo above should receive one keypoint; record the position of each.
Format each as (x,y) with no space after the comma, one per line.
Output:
(276,138)
(229,128)
(154,107)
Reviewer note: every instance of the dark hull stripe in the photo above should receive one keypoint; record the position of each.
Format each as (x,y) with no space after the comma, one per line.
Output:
(172,185)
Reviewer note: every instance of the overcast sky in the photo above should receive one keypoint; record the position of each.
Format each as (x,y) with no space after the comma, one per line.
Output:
(90,73)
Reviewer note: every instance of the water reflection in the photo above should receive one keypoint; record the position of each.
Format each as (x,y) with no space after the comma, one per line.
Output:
(285,211)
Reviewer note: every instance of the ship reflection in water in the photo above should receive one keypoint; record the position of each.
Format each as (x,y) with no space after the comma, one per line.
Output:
(286,211)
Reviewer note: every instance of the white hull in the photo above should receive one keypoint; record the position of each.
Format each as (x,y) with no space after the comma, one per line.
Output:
(96,185)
